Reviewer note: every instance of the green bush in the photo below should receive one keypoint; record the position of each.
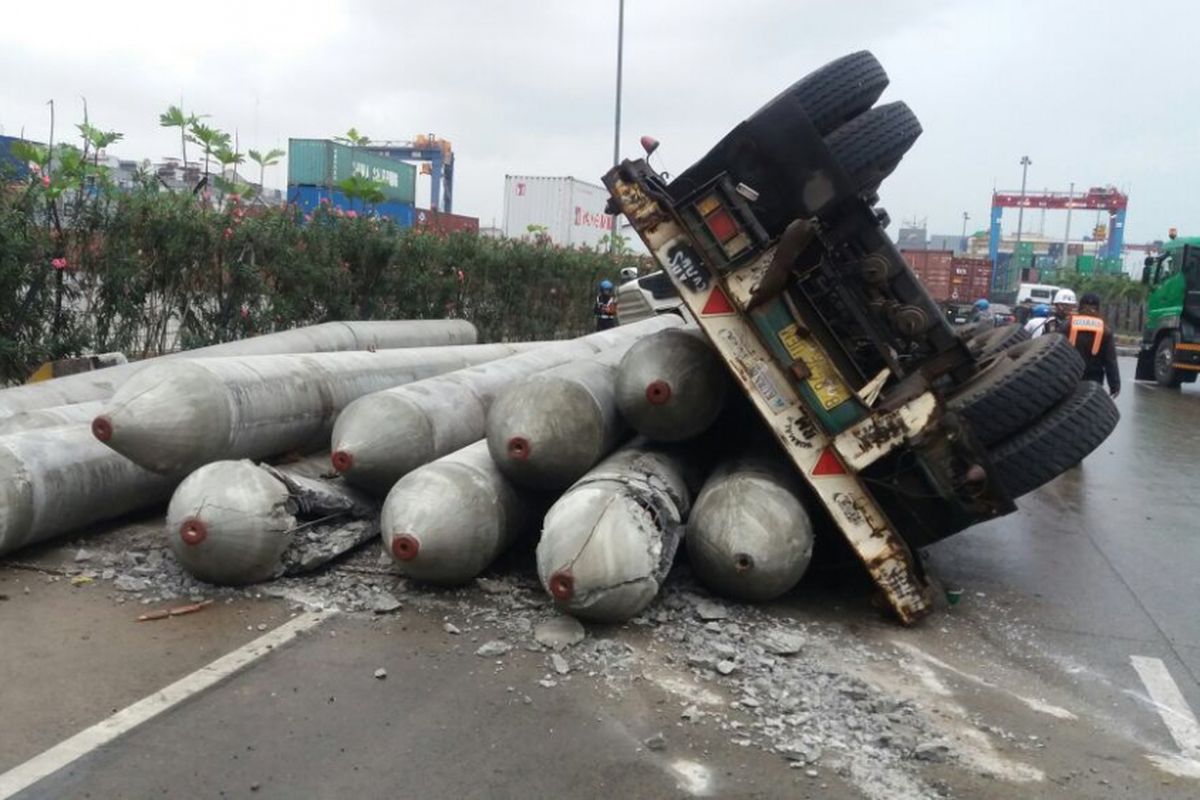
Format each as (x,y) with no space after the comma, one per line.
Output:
(87,268)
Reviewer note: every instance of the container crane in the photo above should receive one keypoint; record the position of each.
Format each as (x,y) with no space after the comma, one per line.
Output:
(437,160)
(1106,198)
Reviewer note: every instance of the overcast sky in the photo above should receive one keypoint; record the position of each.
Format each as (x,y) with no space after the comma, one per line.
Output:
(1094,92)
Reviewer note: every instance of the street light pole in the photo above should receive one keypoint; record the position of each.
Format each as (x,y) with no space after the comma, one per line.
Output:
(612,237)
(1025,162)
(966,217)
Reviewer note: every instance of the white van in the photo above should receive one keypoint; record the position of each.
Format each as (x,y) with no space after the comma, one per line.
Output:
(1035,293)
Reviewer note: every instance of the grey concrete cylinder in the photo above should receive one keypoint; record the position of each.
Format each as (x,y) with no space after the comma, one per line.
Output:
(547,430)
(328,337)
(671,386)
(52,417)
(381,437)
(445,522)
(176,416)
(749,536)
(229,522)
(609,541)
(57,480)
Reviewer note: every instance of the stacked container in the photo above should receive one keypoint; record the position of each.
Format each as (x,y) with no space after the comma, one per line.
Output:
(317,166)
(933,269)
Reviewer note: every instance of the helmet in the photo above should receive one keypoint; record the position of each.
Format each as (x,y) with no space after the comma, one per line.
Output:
(982,304)
(1041,310)
(606,285)
(1064,297)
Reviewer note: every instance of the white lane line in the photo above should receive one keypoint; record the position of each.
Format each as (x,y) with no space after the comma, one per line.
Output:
(25,775)
(1168,700)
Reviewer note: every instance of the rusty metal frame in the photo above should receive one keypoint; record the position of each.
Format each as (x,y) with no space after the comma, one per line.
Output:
(828,464)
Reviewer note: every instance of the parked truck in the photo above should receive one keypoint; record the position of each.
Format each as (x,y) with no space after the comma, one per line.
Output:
(1170,351)
(903,431)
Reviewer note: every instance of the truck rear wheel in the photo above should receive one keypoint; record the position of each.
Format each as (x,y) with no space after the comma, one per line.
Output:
(870,146)
(1164,355)
(995,340)
(1057,441)
(1017,386)
(840,90)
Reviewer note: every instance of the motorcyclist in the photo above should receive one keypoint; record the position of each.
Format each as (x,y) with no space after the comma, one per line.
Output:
(606,306)
(981,311)
(1037,323)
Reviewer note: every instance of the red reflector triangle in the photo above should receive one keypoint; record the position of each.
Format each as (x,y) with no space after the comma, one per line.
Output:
(717,304)
(828,464)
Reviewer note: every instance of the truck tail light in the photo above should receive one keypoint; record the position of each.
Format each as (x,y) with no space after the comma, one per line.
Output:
(722,225)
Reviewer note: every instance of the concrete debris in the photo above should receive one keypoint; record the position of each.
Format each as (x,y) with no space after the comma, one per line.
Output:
(560,664)
(657,742)
(782,643)
(547,683)
(82,555)
(385,603)
(451,629)
(935,752)
(708,610)
(496,647)
(725,667)
(559,632)
(381,673)
(128,583)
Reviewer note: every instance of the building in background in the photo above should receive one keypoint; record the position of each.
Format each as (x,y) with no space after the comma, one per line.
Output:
(567,211)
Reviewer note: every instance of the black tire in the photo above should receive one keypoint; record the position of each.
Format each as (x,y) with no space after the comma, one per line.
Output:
(1056,442)
(1016,386)
(870,146)
(839,91)
(1164,355)
(996,340)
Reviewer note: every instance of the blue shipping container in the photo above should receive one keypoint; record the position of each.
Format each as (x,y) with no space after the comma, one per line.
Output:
(307,198)
(11,166)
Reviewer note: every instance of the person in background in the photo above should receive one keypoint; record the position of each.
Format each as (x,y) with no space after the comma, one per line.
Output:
(606,307)
(1094,341)
(1037,323)
(1064,307)
(981,311)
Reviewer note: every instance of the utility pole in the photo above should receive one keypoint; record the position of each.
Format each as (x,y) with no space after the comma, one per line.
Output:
(1067,235)
(966,217)
(1025,162)
(612,237)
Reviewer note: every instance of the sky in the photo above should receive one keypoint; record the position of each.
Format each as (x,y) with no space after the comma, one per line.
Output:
(1093,92)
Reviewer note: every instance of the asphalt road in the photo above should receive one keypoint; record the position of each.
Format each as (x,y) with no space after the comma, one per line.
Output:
(1094,572)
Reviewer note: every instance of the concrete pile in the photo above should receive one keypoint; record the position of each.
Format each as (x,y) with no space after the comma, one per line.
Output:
(596,450)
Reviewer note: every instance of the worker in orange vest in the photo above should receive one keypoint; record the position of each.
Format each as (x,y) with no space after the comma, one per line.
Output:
(1091,337)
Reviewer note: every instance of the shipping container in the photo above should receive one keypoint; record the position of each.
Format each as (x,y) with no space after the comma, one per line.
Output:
(1085,265)
(308,198)
(442,222)
(320,162)
(11,167)
(568,211)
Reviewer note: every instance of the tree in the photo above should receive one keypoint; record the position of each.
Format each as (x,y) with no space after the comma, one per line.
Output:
(211,139)
(356,187)
(270,159)
(98,139)
(353,138)
(175,118)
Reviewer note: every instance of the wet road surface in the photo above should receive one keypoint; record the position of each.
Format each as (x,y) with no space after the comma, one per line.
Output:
(1034,674)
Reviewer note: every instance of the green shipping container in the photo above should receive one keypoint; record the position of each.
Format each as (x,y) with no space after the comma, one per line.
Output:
(320,162)
(1085,265)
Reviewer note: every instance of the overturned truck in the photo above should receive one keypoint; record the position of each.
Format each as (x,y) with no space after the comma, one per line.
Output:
(904,431)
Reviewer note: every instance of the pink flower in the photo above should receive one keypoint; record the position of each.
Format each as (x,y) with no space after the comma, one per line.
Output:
(461,277)
(233,198)
(46,181)
(58,263)
(308,217)
(35,167)
(245,312)
(352,214)
(324,201)
(229,233)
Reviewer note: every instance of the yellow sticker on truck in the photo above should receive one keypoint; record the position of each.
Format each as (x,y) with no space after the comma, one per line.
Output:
(823,378)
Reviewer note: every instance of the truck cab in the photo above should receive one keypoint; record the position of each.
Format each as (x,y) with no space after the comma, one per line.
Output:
(1170,350)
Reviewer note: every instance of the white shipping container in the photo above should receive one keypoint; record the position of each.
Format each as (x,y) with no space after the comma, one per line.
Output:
(570,211)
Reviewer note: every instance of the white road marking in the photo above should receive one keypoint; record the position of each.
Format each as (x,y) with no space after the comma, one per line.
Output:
(40,766)
(1169,702)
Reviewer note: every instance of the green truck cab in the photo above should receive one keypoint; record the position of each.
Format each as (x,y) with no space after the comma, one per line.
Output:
(1170,351)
